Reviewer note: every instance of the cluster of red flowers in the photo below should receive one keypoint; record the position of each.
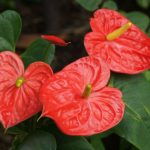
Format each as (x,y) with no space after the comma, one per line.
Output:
(77,98)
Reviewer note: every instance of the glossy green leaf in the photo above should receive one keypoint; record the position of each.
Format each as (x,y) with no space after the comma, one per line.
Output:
(89,4)
(15,21)
(39,50)
(144,3)
(106,133)
(140,19)
(97,142)
(74,143)
(66,142)
(135,126)
(110,5)
(5,45)
(39,140)
(10,28)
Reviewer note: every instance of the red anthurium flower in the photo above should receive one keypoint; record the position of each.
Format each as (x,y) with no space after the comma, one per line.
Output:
(55,40)
(78,101)
(18,89)
(124,47)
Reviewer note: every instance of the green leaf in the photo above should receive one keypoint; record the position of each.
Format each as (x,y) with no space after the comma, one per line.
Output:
(15,130)
(106,133)
(144,3)
(74,143)
(135,126)
(125,145)
(139,19)
(17,140)
(39,50)
(66,142)
(89,4)
(39,140)
(97,142)
(5,45)
(6,31)
(148,32)
(15,21)
(10,28)
(147,75)
(110,5)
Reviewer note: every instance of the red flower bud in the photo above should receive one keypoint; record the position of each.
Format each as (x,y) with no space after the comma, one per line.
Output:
(55,40)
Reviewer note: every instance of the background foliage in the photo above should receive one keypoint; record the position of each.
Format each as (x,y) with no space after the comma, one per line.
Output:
(134,130)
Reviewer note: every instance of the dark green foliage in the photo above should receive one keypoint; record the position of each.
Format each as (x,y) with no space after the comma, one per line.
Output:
(10,28)
(39,50)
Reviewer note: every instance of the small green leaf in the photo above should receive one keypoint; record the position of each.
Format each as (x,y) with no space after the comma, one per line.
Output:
(15,21)
(139,19)
(110,5)
(10,28)
(39,140)
(6,31)
(39,50)
(135,126)
(144,3)
(97,142)
(89,4)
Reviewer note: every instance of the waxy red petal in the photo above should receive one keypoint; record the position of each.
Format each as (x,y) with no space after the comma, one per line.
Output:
(130,53)
(92,69)
(18,104)
(62,98)
(55,40)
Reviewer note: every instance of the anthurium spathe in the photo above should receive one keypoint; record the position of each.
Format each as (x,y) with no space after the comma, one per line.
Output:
(55,40)
(79,101)
(19,89)
(125,48)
